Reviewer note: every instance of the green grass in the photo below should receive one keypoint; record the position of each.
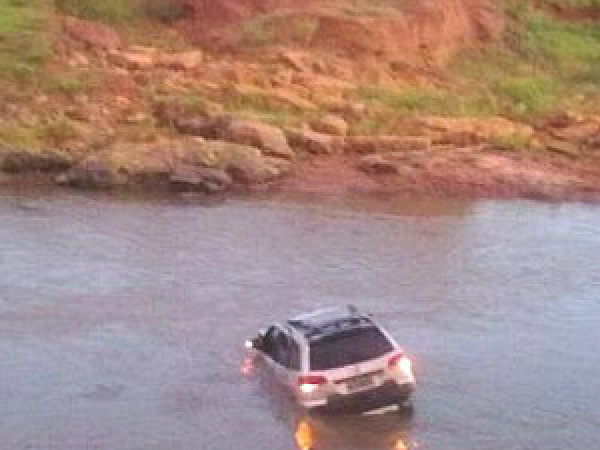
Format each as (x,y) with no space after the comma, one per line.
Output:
(573,3)
(70,83)
(258,32)
(187,103)
(113,11)
(414,100)
(53,131)
(512,142)
(23,37)
(545,63)
(18,136)
(527,94)
(121,11)
(260,106)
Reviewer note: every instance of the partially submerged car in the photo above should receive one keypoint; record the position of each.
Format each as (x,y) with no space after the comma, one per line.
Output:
(337,359)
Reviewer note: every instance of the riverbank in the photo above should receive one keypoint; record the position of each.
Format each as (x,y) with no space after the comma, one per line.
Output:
(443,157)
(315,98)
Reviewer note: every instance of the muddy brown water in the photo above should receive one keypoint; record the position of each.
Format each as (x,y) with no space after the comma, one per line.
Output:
(122,320)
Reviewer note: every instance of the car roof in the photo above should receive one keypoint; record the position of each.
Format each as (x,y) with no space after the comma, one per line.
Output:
(328,321)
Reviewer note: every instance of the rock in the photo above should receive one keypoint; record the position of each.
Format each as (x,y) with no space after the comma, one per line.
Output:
(330,124)
(291,98)
(209,180)
(563,147)
(244,163)
(92,173)
(382,144)
(133,60)
(464,131)
(282,78)
(244,89)
(79,60)
(93,34)
(296,60)
(186,163)
(323,83)
(282,165)
(136,118)
(581,132)
(348,110)
(206,127)
(122,102)
(181,61)
(564,119)
(172,111)
(313,142)
(271,140)
(125,163)
(47,161)
(378,164)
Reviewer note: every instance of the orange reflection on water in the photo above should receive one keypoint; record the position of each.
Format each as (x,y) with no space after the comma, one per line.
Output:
(304,436)
(247,366)
(400,445)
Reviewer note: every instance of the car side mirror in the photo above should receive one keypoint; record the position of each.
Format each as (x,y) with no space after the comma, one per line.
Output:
(256,343)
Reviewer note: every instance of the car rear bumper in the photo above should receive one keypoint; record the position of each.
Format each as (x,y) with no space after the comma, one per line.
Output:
(389,393)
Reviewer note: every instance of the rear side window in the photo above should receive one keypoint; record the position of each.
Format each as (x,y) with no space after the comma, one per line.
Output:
(294,356)
(348,347)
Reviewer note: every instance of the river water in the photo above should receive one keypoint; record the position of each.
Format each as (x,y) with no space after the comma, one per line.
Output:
(122,320)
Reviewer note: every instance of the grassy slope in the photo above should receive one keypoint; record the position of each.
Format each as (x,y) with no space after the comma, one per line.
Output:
(24,47)
(543,64)
(23,27)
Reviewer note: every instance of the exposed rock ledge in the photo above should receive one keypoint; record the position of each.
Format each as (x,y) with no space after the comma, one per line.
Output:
(464,157)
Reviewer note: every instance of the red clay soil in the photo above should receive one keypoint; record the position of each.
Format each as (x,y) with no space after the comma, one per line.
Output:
(550,178)
(420,32)
(212,13)
(576,14)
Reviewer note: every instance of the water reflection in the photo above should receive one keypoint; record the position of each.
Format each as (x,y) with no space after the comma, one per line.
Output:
(400,445)
(304,435)
(378,203)
(389,431)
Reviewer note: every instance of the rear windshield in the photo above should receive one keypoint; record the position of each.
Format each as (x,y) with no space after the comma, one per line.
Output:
(348,347)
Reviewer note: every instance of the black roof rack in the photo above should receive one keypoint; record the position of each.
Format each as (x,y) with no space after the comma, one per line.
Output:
(328,322)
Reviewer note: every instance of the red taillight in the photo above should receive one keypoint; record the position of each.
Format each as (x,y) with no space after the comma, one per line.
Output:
(400,361)
(308,383)
(394,360)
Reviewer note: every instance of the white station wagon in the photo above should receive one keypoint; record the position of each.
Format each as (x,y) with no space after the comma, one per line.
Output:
(337,359)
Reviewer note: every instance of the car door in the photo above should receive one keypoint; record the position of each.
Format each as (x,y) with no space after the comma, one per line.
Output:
(277,350)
